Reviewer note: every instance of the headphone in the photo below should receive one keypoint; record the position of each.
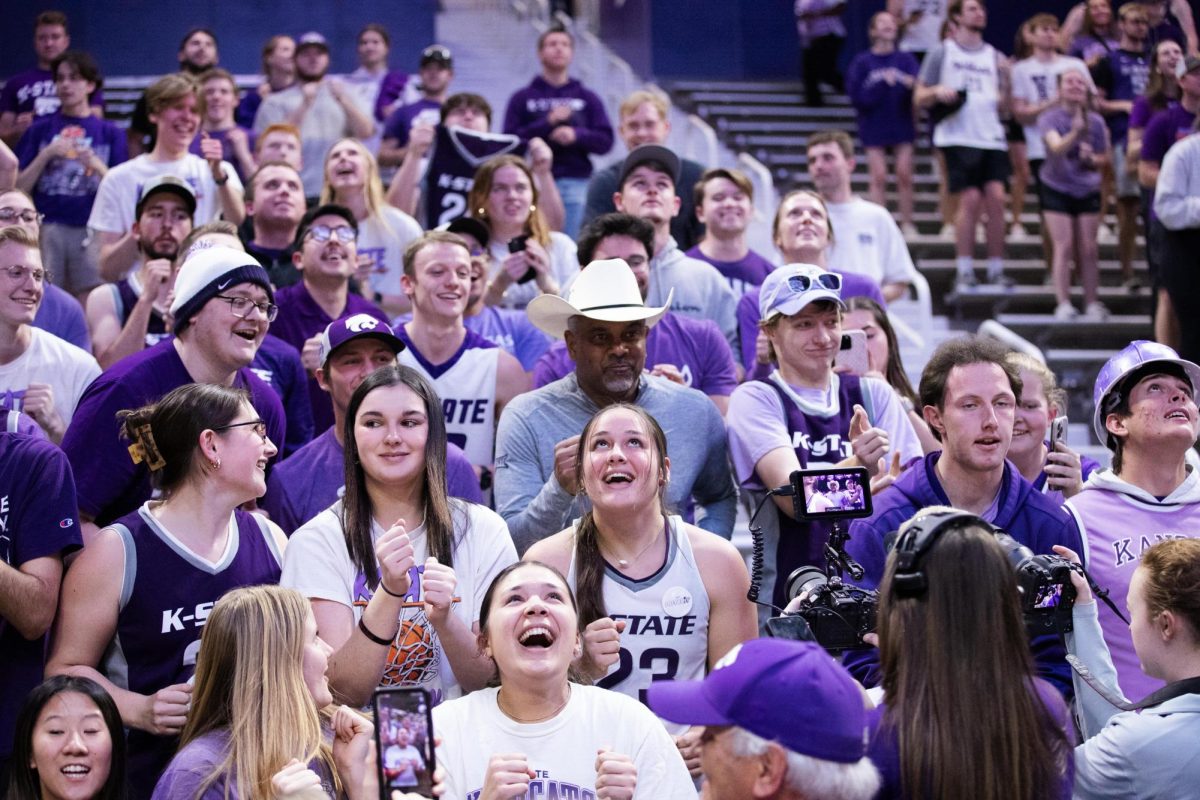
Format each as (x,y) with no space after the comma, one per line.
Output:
(911,546)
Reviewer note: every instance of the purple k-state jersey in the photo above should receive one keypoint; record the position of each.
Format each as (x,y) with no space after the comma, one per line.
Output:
(167,593)
(109,484)
(456,155)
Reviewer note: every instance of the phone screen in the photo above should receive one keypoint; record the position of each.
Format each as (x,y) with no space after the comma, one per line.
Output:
(404,742)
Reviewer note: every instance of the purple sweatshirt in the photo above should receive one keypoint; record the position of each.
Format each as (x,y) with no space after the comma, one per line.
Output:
(885,115)
(526,117)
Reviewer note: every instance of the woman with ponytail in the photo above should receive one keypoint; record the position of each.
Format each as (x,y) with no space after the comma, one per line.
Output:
(658,598)
(136,599)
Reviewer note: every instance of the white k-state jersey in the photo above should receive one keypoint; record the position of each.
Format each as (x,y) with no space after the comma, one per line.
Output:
(977,123)
(666,621)
(466,385)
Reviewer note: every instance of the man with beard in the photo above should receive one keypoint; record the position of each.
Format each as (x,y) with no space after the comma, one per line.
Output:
(275,206)
(129,315)
(172,101)
(474,377)
(436,72)
(604,321)
(322,108)
(197,54)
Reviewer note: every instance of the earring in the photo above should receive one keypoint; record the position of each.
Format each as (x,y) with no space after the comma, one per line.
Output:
(482,213)
(532,208)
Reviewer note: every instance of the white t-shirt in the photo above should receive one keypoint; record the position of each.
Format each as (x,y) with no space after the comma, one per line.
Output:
(117,197)
(67,369)
(1036,82)
(563,265)
(383,236)
(562,750)
(868,242)
(318,565)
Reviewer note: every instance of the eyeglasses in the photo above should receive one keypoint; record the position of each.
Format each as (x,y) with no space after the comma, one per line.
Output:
(11,215)
(240,306)
(16,273)
(260,427)
(323,233)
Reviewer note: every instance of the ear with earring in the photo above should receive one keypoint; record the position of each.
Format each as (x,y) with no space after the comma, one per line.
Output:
(532,208)
(481,213)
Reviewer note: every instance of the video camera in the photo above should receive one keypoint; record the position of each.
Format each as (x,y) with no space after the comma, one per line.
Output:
(1047,594)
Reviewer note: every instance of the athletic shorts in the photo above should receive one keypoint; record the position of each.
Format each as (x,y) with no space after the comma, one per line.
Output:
(1063,203)
(973,168)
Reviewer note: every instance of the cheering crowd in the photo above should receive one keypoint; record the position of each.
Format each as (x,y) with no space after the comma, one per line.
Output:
(327,387)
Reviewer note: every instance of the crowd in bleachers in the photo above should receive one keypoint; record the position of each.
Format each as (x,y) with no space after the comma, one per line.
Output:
(346,383)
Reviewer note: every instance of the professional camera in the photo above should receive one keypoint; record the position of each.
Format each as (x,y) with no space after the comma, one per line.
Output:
(834,614)
(1047,594)
(837,614)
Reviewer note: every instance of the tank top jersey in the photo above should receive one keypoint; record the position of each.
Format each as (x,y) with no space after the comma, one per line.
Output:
(467,386)
(666,618)
(167,592)
(1123,528)
(977,123)
(455,156)
(125,297)
(817,441)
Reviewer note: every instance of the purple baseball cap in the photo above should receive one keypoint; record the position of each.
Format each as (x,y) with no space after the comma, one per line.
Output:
(790,288)
(340,331)
(792,693)
(1134,356)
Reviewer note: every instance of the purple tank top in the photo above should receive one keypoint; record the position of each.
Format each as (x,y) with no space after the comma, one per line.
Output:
(816,438)
(166,597)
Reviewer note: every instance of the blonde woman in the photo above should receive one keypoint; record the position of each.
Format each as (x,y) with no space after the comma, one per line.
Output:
(255,728)
(352,180)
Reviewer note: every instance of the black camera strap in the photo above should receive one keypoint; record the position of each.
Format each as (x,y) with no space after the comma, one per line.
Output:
(1157,698)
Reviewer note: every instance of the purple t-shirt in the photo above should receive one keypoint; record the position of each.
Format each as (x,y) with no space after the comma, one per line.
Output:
(300,319)
(885,113)
(391,88)
(884,749)
(61,314)
(1066,173)
(313,479)
(401,120)
(695,346)
(1163,130)
(278,364)
(1091,48)
(34,90)
(195,763)
(226,148)
(853,285)
(526,117)
(38,513)
(66,188)
(1141,112)
(742,275)
(110,484)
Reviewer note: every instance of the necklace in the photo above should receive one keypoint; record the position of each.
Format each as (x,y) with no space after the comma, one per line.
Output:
(515,718)
(621,562)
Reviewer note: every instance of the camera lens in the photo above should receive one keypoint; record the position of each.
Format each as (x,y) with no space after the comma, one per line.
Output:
(806,579)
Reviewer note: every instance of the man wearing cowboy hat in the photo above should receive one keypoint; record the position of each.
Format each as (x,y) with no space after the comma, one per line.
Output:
(604,322)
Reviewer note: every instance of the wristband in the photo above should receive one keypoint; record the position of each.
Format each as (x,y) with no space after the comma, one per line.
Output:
(379,640)
(224,179)
(388,591)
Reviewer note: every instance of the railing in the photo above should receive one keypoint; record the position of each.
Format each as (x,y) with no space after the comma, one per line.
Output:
(1014,341)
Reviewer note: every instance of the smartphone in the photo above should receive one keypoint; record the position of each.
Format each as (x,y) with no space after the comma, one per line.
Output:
(853,353)
(404,742)
(1058,431)
(516,245)
(839,492)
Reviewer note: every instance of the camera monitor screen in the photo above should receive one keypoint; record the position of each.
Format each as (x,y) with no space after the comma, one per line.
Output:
(832,493)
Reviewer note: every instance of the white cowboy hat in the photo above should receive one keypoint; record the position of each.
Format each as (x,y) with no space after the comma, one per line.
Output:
(605,290)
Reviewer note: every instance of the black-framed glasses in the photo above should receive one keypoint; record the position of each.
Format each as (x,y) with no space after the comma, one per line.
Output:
(240,306)
(27,215)
(323,233)
(260,427)
(17,272)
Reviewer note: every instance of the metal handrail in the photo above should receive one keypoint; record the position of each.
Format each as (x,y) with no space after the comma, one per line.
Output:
(710,151)
(994,330)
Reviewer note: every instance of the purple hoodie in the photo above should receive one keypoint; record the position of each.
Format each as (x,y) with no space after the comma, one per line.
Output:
(526,117)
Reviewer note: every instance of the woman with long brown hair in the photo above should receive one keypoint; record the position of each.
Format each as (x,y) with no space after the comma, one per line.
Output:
(527,258)
(962,713)
(627,558)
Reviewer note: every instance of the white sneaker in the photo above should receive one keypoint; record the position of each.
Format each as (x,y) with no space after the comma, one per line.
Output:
(909,231)
(1096,312)
(947,233)
(1017,233)
(1064,312)
(1105,235)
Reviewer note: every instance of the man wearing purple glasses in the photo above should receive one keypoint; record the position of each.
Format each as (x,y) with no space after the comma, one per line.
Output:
(804,415)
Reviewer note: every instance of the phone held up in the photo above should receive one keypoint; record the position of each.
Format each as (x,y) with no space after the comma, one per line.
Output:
(517,245)
(404,742)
